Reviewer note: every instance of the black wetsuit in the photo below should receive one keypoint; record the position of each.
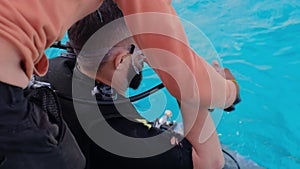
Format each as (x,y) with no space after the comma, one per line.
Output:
(60,76)
(33,134)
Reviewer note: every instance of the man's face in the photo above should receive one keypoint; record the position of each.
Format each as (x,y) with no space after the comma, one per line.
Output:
(129,71)
(135,76)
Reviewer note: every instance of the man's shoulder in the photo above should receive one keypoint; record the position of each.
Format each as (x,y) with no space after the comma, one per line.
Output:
(62,63)
(60,72)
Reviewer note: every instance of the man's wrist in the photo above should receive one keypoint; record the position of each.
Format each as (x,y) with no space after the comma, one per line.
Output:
(237,97)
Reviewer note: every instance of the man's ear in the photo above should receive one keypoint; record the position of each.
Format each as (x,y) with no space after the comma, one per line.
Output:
(118,59)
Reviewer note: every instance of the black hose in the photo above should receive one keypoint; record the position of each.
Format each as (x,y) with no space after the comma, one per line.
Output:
(99,102)
(59,45)
(229,155)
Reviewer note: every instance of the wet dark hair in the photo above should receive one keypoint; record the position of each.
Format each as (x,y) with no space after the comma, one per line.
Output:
(82,30)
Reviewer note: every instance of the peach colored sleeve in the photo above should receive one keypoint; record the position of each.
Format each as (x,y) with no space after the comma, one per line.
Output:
(188,77)
(28,27)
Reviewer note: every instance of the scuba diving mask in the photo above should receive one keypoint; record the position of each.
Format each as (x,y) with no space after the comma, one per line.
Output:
(137,59)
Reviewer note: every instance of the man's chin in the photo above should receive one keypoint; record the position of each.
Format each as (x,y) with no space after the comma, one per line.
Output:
(136,81)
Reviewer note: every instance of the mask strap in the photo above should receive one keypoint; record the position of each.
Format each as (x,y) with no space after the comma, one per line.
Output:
(133,56)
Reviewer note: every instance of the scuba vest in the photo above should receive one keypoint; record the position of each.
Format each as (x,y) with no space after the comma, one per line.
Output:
(64,78)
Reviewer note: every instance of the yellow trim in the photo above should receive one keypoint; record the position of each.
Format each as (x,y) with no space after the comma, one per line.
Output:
(145,122)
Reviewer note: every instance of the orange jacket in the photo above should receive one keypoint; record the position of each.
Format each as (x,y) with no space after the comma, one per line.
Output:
(28,27)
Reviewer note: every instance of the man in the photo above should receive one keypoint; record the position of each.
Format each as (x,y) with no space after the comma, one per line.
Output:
(26,33)
(118,64)
(128,123)
(32,132)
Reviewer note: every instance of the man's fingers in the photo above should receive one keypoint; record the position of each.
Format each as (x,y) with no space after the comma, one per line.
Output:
(218,68)
(228,74)
(225,72)
(215,64)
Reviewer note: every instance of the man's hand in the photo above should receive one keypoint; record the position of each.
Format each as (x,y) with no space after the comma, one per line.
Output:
(226,73)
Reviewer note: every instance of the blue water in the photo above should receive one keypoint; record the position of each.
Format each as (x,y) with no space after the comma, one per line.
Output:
(259,42)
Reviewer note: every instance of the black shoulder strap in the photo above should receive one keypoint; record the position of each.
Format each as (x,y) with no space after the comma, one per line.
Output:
(60,73)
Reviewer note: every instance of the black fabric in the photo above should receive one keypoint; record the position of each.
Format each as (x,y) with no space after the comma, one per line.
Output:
(179,157)
(13,106)
(31,137)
